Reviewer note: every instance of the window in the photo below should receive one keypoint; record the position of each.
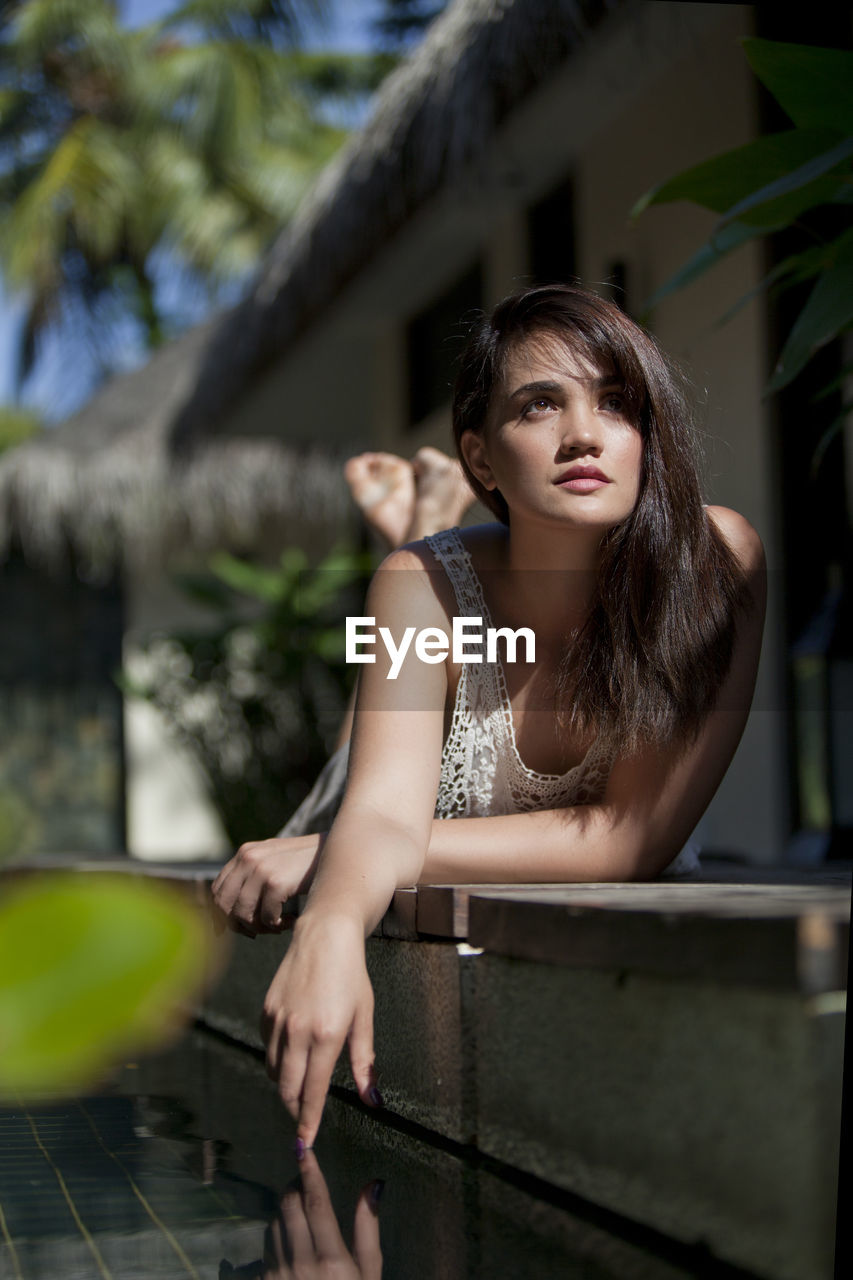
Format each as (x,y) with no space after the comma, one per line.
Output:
(434,341)
(551,236)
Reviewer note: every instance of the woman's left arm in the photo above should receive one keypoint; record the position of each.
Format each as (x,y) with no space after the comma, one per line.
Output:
(652,801)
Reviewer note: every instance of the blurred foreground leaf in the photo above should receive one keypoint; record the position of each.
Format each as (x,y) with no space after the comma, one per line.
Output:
(91,967)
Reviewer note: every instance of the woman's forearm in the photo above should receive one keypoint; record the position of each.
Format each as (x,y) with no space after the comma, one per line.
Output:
(367,856)
(581,843)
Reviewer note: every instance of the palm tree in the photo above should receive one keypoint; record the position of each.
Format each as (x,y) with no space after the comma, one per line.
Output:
(186,142)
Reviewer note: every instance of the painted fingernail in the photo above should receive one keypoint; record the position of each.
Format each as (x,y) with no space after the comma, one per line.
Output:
(375,1096)
(300,1148)
(376,1194)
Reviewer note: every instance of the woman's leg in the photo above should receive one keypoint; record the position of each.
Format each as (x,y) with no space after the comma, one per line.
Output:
(403,501)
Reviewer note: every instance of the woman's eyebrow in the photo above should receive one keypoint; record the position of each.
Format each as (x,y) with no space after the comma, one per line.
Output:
(536,388)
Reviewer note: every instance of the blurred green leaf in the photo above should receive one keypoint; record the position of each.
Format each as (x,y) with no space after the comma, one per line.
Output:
(827,313)
(91,967)
(795,269)
(813,85)
(250,579)
(835,383)
(802,180)
(719,183)
(828,436)
(16,426)
(731,237)
(259,696)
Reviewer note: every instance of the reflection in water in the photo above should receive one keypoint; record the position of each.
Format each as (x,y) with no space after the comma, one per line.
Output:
(304,1239)
(186,1168)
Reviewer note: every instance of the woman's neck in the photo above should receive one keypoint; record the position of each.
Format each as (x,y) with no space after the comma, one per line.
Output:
(550,578)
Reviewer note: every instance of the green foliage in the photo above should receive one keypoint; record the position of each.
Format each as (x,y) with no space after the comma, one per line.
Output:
(91,967)
(258,700)
(18,825)
(773,182)
(191,139)
(16,426)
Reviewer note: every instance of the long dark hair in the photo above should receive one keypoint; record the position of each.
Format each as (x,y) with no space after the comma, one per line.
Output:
(649,662)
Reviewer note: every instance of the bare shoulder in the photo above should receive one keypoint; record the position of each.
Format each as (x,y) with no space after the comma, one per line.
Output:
(740,536)
(415,555)
(410,578)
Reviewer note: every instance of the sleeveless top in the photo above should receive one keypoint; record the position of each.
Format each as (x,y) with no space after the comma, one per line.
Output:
(482,773)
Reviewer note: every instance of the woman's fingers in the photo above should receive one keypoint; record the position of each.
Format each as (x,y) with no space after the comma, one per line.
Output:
(321,1063)
(319,1212)
(290,1070)
(365,1242)
(299,1246)
(269,907)
(253,886)
(361,1053)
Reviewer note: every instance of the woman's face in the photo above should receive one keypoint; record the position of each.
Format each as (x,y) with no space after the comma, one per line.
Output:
(557,441)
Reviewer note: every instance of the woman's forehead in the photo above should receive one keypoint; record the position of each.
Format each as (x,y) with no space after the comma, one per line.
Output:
(550,356)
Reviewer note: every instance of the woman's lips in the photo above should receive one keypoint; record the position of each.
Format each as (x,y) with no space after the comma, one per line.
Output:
(583,480)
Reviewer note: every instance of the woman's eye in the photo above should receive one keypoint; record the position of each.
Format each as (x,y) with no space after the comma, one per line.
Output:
(614,402)
(537,406)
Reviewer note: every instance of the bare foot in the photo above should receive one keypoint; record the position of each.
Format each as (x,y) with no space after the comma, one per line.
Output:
(442,494)
(383,488)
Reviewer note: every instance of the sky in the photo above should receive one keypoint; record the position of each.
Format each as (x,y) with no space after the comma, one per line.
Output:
(60,386)
(348,27)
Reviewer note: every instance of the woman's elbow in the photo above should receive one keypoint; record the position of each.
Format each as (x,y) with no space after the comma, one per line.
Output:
(636,853)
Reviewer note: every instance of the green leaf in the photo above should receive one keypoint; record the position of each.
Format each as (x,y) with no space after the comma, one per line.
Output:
(723,181)
(731,237)
(91,967)
(813,85)
(827,313)
(17,425)
(835,383)
(250,579)
(803,177)
(828,436)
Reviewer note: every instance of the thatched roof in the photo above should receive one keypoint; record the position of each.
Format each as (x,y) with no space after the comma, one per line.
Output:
(141,470)
(108,485)
(434,120)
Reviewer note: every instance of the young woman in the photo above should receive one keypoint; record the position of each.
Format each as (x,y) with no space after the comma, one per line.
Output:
(592,762)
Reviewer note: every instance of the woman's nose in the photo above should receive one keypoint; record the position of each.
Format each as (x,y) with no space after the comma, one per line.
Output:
(579,432)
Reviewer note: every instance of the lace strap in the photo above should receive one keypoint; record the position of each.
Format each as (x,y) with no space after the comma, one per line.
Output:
(448,549)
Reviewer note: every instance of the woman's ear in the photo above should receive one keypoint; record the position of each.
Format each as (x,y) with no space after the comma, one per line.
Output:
(473,448)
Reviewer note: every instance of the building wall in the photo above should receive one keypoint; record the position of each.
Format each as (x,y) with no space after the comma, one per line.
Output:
(657,88)
(170,815)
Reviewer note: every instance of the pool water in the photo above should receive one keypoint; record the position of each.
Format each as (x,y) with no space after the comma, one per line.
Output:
(184,1166)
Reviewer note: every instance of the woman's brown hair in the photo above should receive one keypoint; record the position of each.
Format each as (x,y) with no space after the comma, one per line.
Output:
(649,662)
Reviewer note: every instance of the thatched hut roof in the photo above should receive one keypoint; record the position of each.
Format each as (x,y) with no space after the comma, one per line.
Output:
(434,120)
(141,469)
(108,485)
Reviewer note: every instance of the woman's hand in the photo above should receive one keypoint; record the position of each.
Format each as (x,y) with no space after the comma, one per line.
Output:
(320,997)
(253,886)
(305,1239)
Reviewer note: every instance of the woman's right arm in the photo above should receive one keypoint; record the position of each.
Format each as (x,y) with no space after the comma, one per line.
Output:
(321,994)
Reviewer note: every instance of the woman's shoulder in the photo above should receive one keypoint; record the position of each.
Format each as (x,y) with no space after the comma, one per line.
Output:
(411,580)
(483,542)
(739,535)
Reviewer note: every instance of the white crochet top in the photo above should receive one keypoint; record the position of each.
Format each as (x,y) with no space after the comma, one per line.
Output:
(482,773)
